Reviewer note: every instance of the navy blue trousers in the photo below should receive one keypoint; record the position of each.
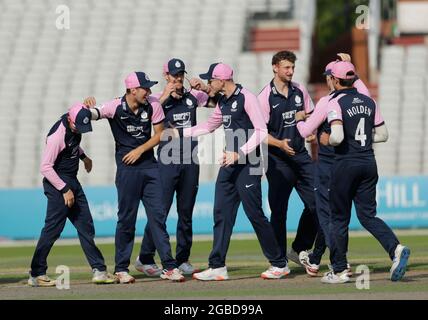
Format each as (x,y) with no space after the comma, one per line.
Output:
(354,180)
(56,216)
(234,185)
(182,179)
(323,169)
(134,185)
(282,178)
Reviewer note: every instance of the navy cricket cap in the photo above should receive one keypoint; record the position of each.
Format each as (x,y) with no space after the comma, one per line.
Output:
(174,67)
(81,117)
(209,74)
(139,80)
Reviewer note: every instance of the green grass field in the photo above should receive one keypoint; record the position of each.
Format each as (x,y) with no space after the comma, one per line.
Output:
(245,263)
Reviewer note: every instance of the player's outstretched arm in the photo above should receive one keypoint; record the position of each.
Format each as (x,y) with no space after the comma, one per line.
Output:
(135,154)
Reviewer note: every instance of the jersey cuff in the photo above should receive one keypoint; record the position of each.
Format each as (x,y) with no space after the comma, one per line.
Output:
(380,124)
(65,189)
(330,121)
(158,122)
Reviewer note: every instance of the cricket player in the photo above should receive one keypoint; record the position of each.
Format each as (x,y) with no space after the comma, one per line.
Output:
(66,199)
(178,164)
(239,112)
(356,123)
(289,164)
(318,121)
(137,179)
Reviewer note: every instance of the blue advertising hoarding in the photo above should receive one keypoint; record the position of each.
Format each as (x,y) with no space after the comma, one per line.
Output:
(402,203)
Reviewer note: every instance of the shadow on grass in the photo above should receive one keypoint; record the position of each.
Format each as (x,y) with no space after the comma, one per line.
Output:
(13,280)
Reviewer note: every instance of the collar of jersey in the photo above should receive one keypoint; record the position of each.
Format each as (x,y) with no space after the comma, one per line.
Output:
(277,93)
(346,91)
(235,93)
(127,109)
(173,100)
(64,120)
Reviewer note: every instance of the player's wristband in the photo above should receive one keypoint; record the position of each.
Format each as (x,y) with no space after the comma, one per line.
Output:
(82,156)
(65,189)
(98,113)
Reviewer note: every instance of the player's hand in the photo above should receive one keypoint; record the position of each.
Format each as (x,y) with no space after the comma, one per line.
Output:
(132,156)
(169,88)
(198,84)
(286,148)
(229,158)
(324,139)
(311,138)
(69,198)
(90,102)
(301,116)
(88,164)
(344,57)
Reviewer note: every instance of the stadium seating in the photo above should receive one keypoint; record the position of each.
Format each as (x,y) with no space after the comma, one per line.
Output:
(403,91)
(45,70)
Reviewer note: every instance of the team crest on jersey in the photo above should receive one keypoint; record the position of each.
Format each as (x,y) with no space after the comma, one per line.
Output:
(298,101)
(189,103)
(144,116)
(234,106)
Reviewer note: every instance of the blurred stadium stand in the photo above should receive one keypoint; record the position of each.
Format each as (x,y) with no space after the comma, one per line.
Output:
(403,90)
(44,70)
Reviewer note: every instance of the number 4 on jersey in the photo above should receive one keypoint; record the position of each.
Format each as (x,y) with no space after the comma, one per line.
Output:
(360,134)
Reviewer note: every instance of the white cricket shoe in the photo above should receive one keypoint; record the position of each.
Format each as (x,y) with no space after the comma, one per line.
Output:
(187,269)
(41,281)
(102,277)
(173,275)
(275,272)
(401,257)
(124,277)
(217,274)
(150,270)
(335,278)
(348,269)
(311,269)
(293,256)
